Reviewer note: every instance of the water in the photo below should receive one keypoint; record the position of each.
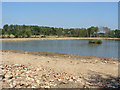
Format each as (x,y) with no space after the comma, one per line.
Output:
(109,48)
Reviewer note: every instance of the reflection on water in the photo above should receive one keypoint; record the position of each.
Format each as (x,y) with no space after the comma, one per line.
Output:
(109,48)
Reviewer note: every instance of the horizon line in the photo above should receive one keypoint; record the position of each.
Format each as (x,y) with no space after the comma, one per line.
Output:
(59,27)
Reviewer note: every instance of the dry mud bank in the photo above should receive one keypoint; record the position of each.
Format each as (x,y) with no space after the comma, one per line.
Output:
(23,69)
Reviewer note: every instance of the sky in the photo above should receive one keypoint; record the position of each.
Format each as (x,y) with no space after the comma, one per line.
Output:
(61,14)
(60,0)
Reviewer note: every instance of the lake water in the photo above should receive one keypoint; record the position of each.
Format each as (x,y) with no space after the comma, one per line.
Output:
(109,48)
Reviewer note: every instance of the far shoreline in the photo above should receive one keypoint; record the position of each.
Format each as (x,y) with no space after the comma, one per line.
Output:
(61,38)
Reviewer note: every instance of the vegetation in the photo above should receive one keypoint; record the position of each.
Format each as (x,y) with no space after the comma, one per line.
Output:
(95,42)
(26,31)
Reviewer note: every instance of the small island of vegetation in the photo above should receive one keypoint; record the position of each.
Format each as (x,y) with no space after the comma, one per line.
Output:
(95,42)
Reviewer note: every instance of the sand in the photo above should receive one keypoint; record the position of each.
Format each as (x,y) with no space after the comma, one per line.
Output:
(22,39)
(73,64)
(77,65)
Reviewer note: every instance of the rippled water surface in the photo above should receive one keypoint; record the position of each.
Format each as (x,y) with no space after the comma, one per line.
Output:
(109,48)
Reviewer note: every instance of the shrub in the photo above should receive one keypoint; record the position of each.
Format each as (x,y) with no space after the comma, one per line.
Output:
(95,42)
(99,42)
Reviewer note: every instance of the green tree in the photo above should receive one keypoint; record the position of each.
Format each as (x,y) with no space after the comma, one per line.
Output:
(5,27)
(28,33)
(7,30)
(53,32)
(59,31)
(92,31)
(11,27)
(96,31)
(117,33)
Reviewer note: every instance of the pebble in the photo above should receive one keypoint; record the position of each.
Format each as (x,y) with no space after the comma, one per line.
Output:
(29,76)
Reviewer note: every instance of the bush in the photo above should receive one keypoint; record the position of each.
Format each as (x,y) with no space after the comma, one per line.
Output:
(95,42)
(99,42)
(24,35)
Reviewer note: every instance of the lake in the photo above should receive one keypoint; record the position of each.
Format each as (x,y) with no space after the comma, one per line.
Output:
(109,48)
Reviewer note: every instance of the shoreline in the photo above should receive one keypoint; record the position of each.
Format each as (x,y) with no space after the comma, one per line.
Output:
(65,38)
(52,54)
(55,70)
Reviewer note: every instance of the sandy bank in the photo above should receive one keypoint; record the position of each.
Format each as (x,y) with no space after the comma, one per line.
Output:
(22,39)
(76,65)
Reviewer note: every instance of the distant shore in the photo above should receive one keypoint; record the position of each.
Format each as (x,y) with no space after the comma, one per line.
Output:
(63,38)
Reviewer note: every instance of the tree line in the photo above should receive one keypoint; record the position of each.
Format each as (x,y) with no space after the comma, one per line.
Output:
(27,31)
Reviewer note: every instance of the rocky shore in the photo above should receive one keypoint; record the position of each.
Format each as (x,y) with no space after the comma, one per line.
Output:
(20,69)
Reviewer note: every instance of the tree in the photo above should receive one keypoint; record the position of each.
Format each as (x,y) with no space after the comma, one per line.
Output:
(5,27)
(11,27)
(28,33)
(117,33)
(0,32)
(83,32)
(16,33)
(59,31)
(9,33)
(24,31)
(53,31)
(96,31)
(91,31)
(7,30)
(36,30)
(111,34)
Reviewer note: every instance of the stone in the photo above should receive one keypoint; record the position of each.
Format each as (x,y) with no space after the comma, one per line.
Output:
(71,80)
(8,76)
(14,84)
(2,76)
(47,86)
(33,87)
(11,85)
(38,81)
(79,80)
(63,82)
(59,79)
(28,76)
